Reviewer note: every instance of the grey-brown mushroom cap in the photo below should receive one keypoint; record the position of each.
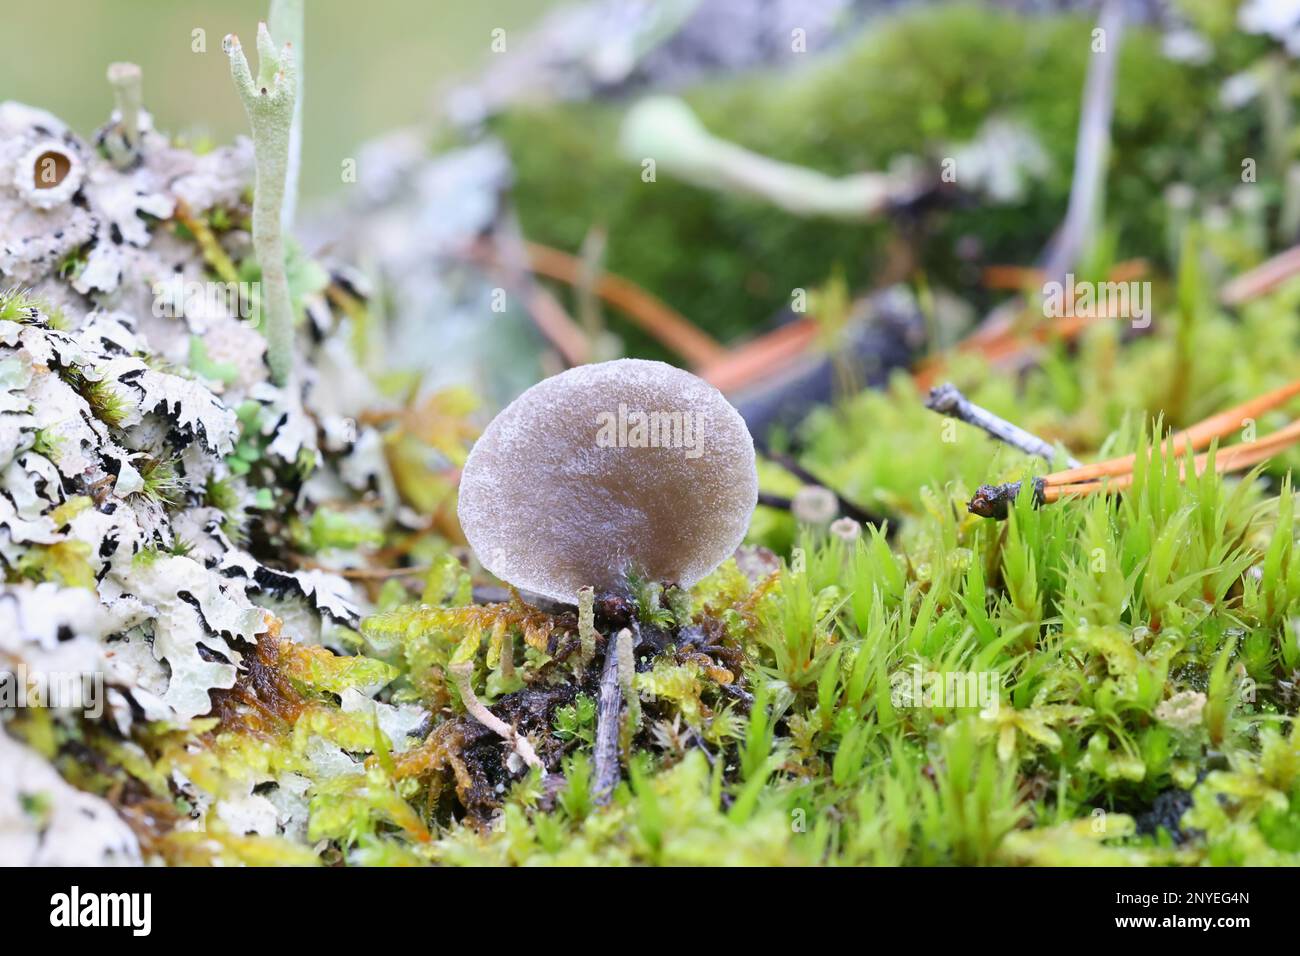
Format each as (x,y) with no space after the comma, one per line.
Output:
(622,466)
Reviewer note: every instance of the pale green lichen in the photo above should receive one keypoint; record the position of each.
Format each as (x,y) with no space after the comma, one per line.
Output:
(269,103)
(286,23)
(123,141)
(663,130)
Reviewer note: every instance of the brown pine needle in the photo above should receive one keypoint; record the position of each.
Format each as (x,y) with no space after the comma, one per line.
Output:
(656,317)
(1015,278)
(1196,437)
(1116,474)
(1262,279)
(1001,346)
(1233,458)
(762,357)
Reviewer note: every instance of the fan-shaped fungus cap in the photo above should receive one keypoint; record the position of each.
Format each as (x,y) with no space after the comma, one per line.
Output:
(605,469)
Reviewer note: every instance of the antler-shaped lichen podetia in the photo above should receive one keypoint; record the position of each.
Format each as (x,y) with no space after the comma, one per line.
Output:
(269,103)
(122,140)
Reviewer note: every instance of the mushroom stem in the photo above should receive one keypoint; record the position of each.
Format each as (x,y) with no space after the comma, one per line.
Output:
(587,626)
(461,674)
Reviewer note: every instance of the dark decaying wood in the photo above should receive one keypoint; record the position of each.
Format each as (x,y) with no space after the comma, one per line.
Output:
(890,336)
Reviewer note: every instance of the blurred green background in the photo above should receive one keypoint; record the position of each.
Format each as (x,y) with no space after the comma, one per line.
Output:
(370,66)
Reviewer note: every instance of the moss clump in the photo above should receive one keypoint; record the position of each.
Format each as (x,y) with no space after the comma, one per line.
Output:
(1118,679)
(914,86)
(1027,692)
(1096,681)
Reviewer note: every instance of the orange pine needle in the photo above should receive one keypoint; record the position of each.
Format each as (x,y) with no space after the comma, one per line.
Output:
(1016,278)
(1196,437)
(1233,458)
(1262,279)
(652,314)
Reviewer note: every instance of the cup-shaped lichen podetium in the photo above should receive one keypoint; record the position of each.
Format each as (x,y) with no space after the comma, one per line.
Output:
(624,466)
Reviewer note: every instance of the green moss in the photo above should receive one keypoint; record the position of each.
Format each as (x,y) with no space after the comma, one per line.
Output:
(65,562)
(106,402)
(913,86)
(162,483)
(17,306)
(327,529)
(955,691)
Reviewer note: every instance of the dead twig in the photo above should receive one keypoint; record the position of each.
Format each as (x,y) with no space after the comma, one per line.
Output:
(779,502)
(1115,474)
(994,501)
(608,715)
(846,507)
(1091,147)
(948,400)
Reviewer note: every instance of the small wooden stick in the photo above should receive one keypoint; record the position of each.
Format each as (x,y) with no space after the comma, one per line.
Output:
(779,502)
(607,721)
(848,508)
(993,501)
(948,400)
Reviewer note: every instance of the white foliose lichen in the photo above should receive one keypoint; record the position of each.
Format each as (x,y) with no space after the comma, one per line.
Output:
(44,821)
(139,437)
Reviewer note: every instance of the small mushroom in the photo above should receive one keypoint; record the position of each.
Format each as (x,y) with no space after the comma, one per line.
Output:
(846,529)
(815,505)
(624,466)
